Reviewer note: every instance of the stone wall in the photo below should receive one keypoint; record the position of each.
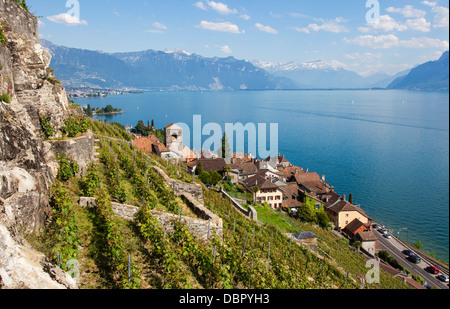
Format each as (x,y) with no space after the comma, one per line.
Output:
(250,213)
(198,227)
(80,149)
(179,187)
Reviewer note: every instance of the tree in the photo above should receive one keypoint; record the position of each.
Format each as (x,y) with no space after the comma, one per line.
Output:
(418,245)
(109,109)
(214,177)
(224,150)
(199,169)
(350,198)
(323,220)
(205,178)
(88,111)
(140,128)
(306,214)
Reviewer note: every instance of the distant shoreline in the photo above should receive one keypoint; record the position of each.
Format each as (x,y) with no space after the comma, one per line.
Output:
(107,114)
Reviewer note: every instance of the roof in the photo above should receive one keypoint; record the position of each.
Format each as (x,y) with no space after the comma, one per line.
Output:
(310,181)
(342,205)
(143,144)
(216,165)
(367,236)
(260,182)
(160,147)
(354,226)
(289,171)
(305,235)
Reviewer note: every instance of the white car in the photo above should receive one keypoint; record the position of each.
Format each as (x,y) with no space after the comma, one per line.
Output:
(388,236)
(443,278)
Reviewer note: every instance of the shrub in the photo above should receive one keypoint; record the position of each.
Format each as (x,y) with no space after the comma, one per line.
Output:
(2,37)
(53,81)
(90,183)
(5,97)
(68,168)
(75,125)
(22,4)
(46,126)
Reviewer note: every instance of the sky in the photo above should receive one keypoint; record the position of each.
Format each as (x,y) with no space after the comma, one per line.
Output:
(365,36)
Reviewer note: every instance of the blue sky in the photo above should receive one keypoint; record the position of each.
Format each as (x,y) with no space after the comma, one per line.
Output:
(404,33)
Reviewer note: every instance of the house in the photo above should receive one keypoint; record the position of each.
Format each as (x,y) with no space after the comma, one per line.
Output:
(162,151)
(175,144)
(308,239)
(291,198)
(268,192)
(243,170)
(310,182)
(145,143)
(355,227)
(369,242)
(217,165)
(341,213)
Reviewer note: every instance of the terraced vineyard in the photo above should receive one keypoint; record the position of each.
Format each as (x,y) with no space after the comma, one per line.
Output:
(115,253)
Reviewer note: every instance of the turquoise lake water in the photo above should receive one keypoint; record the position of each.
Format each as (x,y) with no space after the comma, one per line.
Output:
(390,149)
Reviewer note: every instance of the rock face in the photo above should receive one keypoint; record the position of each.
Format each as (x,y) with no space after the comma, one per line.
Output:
(27,162)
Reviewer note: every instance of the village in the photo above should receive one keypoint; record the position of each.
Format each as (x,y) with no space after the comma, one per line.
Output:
(272,181)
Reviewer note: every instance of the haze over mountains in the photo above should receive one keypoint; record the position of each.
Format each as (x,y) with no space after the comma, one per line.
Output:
(433,75)
(180,70)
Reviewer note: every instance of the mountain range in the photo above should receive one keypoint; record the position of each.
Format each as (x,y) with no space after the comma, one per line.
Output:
(181,70)
(433,75)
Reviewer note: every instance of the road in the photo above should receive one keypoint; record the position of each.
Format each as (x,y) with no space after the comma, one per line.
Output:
(396,248)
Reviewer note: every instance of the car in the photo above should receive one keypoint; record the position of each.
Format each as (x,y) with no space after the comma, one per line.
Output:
(433,269)
(382,230)
(408,252)
(375,226)
(388,236)
(443,278)
(414,258)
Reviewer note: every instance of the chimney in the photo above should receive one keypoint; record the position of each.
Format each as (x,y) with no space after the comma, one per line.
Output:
(307,170)
(332,189)
(344,197)
(323,178)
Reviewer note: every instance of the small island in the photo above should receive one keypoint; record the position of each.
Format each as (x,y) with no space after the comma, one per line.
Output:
(108,110)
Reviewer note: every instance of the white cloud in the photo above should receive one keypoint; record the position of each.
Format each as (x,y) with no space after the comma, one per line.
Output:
(66,19)
(304,30)
(201,6)
(266,29)
(425,43)
(386,24)
(221,8)
(159,26)
(389,41)
(419,24)
(366,57)
(429,3)
(334,26)
(376,42)
(441,19)
(245,17)
(408,11)
(226,49)
(220,27)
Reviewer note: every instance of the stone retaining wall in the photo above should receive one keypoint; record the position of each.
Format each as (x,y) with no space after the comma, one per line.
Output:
(198,227)
(250,213)
(80,149)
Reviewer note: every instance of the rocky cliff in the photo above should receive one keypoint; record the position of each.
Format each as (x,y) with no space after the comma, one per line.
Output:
(28,166)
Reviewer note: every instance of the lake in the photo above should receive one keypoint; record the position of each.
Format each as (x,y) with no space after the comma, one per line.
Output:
(390,149)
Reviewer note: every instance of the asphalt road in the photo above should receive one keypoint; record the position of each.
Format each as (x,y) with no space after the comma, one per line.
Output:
(396,248)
